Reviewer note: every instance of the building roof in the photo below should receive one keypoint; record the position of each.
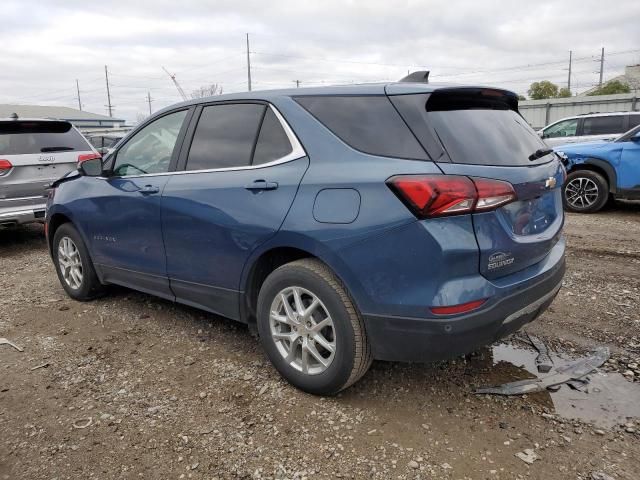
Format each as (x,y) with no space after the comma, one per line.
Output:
(50,111)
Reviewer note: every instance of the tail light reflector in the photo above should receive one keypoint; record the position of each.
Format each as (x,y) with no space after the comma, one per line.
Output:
(462,308)
(429,196)
(88,156)
(5,166)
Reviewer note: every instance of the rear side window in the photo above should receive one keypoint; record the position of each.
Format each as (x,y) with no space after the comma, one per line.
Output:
(482,127)
(603,125)
(566,128)
(225,136)
(18,138)
(367,123)
(273,142)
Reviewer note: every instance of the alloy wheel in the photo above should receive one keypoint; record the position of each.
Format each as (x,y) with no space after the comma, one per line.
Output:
(70,263)
(302,330)
(581,192)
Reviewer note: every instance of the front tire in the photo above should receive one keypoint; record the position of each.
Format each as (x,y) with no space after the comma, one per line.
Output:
(310,328)
(585,192)
(73,265)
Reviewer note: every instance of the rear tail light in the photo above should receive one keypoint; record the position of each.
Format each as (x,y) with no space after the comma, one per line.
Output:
(88,156)
(5,166)
(429,196)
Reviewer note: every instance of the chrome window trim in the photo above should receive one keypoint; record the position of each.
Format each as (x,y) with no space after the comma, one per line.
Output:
(297,152)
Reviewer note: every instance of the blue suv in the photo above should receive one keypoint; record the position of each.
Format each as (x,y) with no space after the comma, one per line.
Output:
(601,171)
(404,221)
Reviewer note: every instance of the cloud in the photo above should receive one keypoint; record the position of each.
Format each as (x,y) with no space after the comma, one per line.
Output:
(47,45)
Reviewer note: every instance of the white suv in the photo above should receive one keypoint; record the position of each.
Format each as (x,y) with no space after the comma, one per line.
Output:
(34,153)
(589,127)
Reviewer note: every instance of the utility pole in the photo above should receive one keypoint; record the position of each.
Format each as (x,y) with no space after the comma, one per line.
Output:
(149,100)
(106,77)
(78,90)
(297,83)
(569,77)
(601,67)
(248,65)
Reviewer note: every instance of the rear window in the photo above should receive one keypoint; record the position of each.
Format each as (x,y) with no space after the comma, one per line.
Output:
(19,138)
(367,123)
(482,127)
(603,125)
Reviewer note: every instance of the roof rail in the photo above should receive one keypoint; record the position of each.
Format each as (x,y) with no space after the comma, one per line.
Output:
(421,76)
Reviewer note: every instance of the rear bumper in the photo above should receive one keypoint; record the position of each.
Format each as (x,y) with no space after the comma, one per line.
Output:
(430,339)
(28,211)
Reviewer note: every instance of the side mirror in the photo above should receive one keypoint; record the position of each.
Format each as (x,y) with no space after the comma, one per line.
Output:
(103,151)
(541,133)
(91,168)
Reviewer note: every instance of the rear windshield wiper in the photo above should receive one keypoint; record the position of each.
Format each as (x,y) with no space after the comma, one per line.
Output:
(541,152)
(56,149)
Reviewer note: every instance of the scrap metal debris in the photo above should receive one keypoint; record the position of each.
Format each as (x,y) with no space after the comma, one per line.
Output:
(4,341)
(42,365)
(543,361)
(83,423)
(570,372)
(528,456)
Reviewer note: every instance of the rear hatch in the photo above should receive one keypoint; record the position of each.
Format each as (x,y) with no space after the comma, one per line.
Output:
(478,132)
(34,153)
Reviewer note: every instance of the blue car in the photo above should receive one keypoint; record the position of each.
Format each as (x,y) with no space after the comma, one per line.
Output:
(404,221)
(601,171)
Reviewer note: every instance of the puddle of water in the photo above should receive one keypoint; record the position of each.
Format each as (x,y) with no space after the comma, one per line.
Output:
(609,398)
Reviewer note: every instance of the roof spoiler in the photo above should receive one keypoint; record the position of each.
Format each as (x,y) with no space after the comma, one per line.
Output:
(421,76)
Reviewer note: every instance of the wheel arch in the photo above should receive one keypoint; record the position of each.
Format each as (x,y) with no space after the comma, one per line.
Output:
(55,222)
(276,253)
(600,166)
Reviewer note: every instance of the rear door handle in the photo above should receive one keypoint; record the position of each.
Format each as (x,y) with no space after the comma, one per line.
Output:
(261,185)
(149,189)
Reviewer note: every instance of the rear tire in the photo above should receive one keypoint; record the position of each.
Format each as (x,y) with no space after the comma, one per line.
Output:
(304,307)
(585,191)
(73,265)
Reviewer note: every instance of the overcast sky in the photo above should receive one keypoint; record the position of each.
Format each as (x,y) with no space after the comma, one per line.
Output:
(46,45)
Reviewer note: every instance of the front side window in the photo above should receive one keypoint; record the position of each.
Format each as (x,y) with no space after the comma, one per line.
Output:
(603,125)
(150,150)
(566,128)
(225,136)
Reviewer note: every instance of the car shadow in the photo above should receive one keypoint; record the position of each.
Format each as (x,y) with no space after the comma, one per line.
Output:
(21,238)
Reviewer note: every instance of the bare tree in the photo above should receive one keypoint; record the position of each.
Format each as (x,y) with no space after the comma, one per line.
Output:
(207,91)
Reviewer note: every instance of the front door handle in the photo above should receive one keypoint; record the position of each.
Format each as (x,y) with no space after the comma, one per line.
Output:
(149,189)
(261,185)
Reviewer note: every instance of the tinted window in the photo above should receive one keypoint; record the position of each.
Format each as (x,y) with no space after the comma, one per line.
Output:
(18,138)
(225,136)
(567,128)
(367,123)
(150,150)
(482,128)
(634,121)
(273,142)
(603,125)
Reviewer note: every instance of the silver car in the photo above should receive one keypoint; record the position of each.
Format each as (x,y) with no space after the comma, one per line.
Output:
(589,127)
(34,153)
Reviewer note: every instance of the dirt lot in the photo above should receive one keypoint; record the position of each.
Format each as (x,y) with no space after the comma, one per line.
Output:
(166,391)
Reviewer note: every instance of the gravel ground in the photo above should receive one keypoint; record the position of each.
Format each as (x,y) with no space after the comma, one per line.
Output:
(130,386)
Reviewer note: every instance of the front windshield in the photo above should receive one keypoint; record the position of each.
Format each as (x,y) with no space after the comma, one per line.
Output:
(627,135)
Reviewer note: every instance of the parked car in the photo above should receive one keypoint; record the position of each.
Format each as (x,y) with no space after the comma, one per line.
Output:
(34,153)
(104,143)
(405,222)
(590,127)
(600,171)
